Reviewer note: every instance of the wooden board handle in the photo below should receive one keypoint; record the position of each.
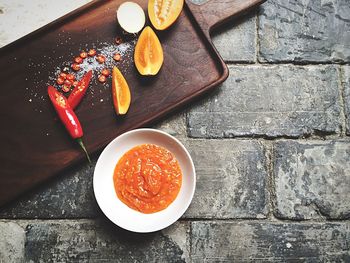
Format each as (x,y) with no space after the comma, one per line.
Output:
(215,12)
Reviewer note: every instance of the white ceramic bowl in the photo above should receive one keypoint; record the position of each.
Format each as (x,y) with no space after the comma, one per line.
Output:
(117,211)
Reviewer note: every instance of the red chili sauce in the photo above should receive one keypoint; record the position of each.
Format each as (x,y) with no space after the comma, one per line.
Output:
(147,178)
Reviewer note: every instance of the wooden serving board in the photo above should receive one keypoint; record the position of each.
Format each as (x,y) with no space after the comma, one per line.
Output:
(35,146)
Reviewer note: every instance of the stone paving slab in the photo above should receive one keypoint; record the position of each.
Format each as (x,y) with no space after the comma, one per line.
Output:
(271,101)
(12,240)
(269,242)
(312,179)
(231,179)
(305,31)
(67,196)
(346,83)
(91,241)
(236,42)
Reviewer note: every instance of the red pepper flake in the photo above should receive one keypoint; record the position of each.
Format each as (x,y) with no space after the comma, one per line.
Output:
(92,52)
(60,80)
(75,83)
(78,60)
(117,57)
(102,78)
(68,83)
(118,40)
(65,88)
(83,54)
(105,72)
(70,77)
(63,75)
(101,59)
(75,67)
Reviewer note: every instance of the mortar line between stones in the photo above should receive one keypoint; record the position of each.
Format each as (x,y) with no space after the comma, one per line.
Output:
(269,152)
(342,100)
(283,63)
(232,220)
(257,39)
(190,241)
(303,138)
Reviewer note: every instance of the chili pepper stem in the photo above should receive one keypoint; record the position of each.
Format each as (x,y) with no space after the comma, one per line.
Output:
(80,141)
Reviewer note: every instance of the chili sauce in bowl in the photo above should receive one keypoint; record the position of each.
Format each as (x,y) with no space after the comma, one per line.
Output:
(144,180)
(147,178)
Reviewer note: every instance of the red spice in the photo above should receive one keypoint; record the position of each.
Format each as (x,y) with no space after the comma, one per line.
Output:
(92,52)
(65,88)
(78,60)
(60,81)
(117,57)
(83,54)
(101,59)
(105,72)
(75,67)
(68,83)
(118,40)
(102,78)
(70,77)
(63,75)
(75,83)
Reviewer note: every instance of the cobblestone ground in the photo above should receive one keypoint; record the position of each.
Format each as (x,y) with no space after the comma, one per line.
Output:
(272,153)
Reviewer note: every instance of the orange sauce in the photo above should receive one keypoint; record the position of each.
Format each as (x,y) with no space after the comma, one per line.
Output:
(147,178)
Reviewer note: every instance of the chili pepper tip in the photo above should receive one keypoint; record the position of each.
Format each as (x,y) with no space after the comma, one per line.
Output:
(80,141)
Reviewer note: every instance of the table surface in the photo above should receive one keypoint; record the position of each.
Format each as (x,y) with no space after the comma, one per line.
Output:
(271,149)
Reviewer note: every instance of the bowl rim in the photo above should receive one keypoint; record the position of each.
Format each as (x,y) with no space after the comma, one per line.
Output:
(188,156)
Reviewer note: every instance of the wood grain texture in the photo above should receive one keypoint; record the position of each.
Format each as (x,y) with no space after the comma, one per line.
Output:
(213,13)
(34,144)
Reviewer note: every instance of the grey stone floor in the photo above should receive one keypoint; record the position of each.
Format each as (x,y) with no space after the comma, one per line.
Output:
(271,148)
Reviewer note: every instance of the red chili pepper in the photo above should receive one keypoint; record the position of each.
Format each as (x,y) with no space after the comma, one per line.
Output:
(79,91)
(67,116)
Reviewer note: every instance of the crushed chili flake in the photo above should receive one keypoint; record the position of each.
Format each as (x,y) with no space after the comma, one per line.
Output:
(118,40)
(75,67)
(70,77)
(78,60)
(83,54)
(65,88)
(105,72)
(67,83)
(101,59)
(117,57)
(92,52)
(63,75)
(60,80)
(102,78)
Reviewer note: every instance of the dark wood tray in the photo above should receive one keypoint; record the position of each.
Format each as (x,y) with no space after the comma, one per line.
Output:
(34,144)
